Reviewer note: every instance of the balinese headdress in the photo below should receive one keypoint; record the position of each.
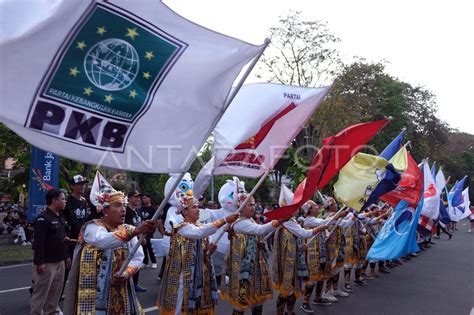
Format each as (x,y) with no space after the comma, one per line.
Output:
(106,198)
(307,205)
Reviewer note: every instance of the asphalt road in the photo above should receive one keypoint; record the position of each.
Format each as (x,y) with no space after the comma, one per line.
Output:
(439,281)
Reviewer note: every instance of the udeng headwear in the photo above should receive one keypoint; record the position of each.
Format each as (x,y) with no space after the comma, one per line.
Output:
(307,205)
(106,198)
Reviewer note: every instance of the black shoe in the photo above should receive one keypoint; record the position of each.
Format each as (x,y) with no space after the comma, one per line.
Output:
(449,237)
(306,308)
(359,282)
(432,243)
(321,301)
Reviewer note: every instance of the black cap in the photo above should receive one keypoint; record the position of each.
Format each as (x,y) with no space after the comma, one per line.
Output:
(134,193)
(145,194)
(78,179)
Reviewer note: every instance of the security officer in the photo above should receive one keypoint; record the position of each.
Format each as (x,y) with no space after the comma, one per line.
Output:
(50,255)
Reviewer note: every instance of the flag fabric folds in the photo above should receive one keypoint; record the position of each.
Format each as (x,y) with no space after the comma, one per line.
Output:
(124,84)
(394,146)
(286,196)
(358,179)
(333,155)
(457,209)
(431,195)
(398,235)
(258,127)
(443,202)
(409,187)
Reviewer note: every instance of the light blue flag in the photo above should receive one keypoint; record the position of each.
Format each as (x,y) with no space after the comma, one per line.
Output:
(398,235)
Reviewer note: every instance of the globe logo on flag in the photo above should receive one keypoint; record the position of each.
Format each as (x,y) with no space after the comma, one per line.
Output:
(112,64)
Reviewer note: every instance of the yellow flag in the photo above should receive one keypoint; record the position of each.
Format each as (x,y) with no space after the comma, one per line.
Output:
(358,178)
(400,160)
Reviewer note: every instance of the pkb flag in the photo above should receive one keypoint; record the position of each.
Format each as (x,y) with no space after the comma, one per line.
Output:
(118,83)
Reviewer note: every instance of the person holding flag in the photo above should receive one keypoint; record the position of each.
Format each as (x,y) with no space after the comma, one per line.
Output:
(335,250)
(189,280)
(289,265)
(250,284)
(103,244)
(316,257)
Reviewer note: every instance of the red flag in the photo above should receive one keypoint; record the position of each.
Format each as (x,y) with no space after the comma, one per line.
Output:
(409,188)
(334,154)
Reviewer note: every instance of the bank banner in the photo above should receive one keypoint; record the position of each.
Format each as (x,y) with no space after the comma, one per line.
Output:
(44,175)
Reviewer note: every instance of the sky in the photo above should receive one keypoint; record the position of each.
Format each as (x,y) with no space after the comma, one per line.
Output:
(426,43)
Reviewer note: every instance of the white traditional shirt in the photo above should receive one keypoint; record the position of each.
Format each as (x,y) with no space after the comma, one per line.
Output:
(99,237)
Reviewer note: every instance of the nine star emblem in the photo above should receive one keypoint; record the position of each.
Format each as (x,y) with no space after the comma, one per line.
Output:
(106,75)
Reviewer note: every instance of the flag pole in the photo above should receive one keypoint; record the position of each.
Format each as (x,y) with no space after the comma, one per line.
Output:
(227,102)
(221,232)
(329,222)
(155,216)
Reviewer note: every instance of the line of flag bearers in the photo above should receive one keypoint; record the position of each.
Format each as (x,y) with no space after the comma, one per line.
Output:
(309,253)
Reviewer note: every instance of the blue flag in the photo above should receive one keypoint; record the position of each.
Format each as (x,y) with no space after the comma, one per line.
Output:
(443,203)
(387,184)
(44,175)
(398,235)
(392,148)
(433,170)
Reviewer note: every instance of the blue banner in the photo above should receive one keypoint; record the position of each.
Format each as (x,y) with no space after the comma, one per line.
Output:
(398,235)
(44,175)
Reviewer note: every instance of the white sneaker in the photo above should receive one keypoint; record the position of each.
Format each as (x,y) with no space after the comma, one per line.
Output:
(329,297)
(153,266)
(469,231)
(24,244)
(339,292)
(15,241)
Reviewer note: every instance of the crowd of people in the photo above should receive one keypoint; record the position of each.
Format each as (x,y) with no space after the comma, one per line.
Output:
(239,256)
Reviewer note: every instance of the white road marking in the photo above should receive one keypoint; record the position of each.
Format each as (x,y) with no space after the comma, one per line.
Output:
(12,290)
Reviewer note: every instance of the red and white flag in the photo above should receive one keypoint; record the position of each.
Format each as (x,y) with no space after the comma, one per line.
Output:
(410,186)
(258,127)
(431,195)
(334,154)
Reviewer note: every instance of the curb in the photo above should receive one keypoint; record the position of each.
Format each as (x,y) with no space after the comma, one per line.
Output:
(15,262)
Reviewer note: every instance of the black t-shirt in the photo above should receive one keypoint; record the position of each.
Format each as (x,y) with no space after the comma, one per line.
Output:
(76,214)
(132,217)
(147,212)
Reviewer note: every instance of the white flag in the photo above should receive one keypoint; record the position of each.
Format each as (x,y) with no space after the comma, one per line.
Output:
(467,203)
(125,84)
(255,132)
(431,195)
(286,196)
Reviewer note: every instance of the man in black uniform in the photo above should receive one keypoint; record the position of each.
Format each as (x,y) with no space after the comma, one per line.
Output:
(50,255)
(147,212)
(132,217)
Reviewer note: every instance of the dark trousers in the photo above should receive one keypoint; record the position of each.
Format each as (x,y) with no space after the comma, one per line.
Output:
(148,251)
